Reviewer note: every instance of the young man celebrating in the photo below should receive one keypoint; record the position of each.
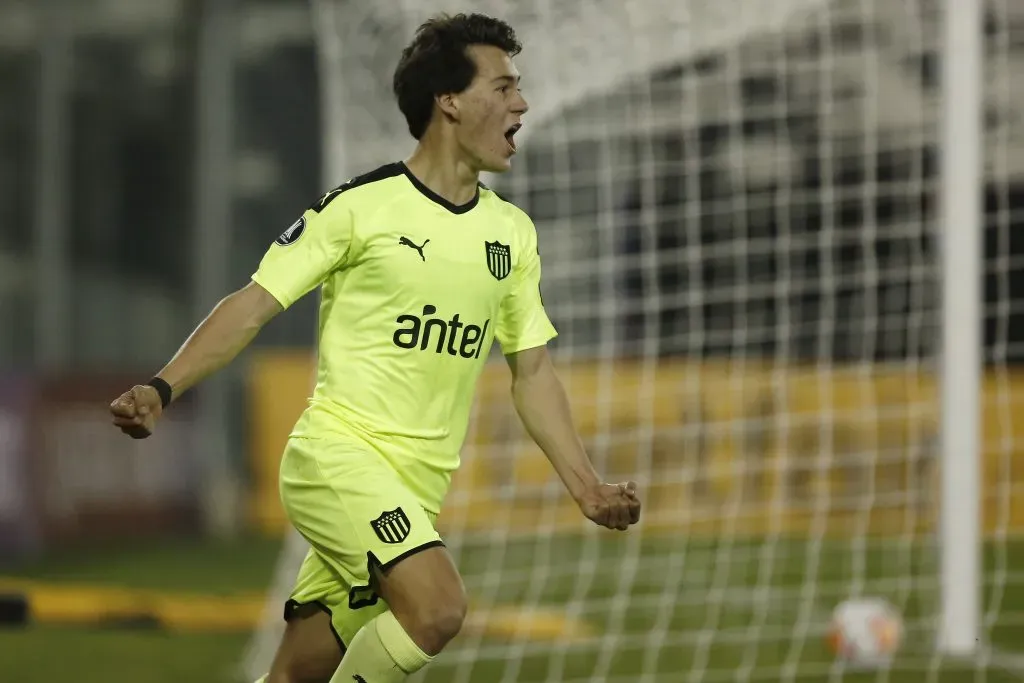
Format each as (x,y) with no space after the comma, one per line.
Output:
(421,269)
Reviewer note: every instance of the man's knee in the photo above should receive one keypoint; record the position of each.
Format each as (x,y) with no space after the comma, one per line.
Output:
(426,595)
(435,623)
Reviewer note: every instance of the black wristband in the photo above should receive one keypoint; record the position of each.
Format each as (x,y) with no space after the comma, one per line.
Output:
(162,388)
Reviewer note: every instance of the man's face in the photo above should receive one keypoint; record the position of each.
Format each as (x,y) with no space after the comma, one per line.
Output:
(490,110)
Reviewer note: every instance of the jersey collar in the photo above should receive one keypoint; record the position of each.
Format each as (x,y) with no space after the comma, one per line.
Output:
(436,198)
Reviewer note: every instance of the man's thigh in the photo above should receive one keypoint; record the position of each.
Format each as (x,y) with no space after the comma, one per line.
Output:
(421,582)
(358,517)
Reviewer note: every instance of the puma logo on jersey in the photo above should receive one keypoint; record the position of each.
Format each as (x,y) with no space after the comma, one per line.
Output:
(405,241)
(358,679)
(327,199)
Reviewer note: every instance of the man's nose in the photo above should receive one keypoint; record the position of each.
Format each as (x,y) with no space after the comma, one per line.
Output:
(520,106)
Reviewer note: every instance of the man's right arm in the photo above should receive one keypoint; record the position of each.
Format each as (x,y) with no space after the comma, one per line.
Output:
(229,328)
(317,244)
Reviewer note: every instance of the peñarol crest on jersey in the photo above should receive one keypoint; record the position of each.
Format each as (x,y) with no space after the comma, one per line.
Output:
(392,526)
(499,259)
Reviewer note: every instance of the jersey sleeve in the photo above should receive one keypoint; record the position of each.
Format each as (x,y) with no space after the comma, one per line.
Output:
(522,321)
(317,244)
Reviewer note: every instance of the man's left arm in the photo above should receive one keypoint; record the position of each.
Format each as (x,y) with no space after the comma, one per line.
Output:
(543,407)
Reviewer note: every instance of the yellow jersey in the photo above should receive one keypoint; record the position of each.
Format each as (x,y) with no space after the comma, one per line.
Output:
(414,291)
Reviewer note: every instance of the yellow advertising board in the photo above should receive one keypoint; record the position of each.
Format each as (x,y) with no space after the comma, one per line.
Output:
(278,386)
(717,447)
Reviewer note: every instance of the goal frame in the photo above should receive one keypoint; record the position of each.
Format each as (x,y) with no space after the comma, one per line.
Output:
(961,353)
(960,359)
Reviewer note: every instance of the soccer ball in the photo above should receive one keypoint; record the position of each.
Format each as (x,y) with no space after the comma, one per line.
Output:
(865,632)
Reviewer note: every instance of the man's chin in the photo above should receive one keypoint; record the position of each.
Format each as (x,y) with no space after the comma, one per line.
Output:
(500,166)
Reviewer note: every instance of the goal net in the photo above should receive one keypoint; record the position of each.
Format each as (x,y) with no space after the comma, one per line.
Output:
(738,208)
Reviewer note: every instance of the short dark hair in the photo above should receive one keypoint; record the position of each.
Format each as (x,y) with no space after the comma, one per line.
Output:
(436,62)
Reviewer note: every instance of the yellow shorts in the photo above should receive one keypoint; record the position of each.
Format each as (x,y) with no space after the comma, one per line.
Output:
(355,512)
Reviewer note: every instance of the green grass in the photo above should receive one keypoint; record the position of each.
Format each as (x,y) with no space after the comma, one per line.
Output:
(177,564)
(56,655)
(747,606)
(43,654)
(750,607)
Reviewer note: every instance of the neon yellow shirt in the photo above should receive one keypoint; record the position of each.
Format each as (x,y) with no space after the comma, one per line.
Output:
(414,291)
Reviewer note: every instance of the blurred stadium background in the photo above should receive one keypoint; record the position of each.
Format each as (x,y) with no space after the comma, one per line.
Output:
(738,207)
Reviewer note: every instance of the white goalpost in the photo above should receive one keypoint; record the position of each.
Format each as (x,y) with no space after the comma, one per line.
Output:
(961,358)
(781,247)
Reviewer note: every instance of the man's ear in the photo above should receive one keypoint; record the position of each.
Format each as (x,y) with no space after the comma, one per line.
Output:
(449,105)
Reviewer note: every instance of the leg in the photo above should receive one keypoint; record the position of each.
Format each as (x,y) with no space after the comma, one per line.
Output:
(427,606)
(426,595)
(310,648)
(370,538)
(309,651)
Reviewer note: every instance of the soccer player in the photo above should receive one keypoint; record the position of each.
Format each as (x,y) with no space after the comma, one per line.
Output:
(420,269)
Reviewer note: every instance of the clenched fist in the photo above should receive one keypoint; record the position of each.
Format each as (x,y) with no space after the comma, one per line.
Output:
(615,506)
(135,411)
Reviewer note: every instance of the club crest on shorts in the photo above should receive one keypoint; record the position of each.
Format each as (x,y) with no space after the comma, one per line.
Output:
(392,526)
(292,234)
(499,259)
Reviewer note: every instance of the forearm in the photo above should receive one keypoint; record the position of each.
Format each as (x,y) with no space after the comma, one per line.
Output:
(229,328)
(543,407)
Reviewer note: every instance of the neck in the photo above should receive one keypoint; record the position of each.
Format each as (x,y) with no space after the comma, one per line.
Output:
(444,170)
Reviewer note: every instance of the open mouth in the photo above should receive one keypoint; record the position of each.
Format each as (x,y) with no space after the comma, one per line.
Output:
(510,136)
